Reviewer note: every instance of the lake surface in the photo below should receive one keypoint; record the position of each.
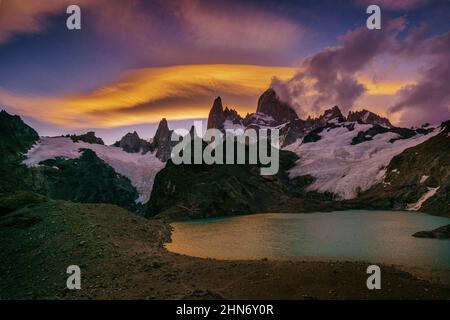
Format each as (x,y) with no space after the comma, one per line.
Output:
(356,235)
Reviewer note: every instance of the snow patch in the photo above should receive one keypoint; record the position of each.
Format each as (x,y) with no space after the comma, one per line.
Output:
(141,169)
(366,116)
(345,169)
(427,195)
(334,121)
(424,178)
(229,125)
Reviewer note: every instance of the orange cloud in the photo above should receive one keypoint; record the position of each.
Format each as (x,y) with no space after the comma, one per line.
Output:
(147,95)
(177,92)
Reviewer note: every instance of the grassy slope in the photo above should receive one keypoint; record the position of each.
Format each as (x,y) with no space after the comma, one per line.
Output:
(121,257)
(86,179)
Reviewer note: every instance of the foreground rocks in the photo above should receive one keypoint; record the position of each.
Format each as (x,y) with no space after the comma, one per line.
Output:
(439,233)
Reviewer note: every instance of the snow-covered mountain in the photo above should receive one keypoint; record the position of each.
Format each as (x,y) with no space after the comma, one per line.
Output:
(331,161)
(140,168)
(346,156)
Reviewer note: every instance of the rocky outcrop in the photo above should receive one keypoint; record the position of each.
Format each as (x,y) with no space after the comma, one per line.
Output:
(439,233)
(15,139)
(220,118)
(132,143)
(86,179)
(403,133)
(162,141)
(216,118)
(411,175)
(310,128)
(331,115)
(368,117)
(270,104)
(87,137)
(15,136)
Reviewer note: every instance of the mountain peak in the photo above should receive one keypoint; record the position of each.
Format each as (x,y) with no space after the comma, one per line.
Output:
(217,106)
(216,116)
(368,117)
(270,104)
(333,113)
(162,140)
(132,143)
(88,137)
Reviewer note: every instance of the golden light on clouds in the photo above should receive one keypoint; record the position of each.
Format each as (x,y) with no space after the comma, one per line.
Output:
(176,92)
(384,87)
(147,95)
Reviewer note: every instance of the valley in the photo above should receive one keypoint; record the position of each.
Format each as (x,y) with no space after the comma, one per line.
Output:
(121,256)
(65,201)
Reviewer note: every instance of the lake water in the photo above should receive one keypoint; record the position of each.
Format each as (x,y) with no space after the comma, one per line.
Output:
(356,235)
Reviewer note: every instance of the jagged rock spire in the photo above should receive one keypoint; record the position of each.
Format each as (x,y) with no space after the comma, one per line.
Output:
(366,116)
(333,113)
(216,116)
(162,141)
(270,104)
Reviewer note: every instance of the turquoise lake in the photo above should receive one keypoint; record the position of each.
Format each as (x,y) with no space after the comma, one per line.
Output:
(383,237)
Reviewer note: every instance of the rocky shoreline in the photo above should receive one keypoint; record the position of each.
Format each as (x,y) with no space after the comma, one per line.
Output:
(122,256)
(438,233)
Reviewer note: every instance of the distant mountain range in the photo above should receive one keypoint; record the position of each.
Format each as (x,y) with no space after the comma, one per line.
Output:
(330,162)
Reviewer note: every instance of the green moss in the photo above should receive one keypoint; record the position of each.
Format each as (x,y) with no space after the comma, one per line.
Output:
(12,201)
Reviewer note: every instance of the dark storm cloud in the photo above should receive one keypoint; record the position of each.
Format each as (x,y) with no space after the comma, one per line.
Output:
(328,77)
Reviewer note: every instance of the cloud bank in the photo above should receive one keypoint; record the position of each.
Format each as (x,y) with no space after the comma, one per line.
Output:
(332,76)
(147,95)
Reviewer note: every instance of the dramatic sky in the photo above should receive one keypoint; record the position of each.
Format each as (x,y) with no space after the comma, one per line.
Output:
(137,61)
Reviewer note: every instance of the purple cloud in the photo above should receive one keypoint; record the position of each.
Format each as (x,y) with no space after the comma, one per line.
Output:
(328,77)
(429,99)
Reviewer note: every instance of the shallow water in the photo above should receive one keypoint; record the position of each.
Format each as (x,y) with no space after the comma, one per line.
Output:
(356,235)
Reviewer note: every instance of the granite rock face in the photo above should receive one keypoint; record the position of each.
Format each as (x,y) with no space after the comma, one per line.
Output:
(365,116)
(270,104)
(162,141)
(132,143)
(88,137)
(223,118)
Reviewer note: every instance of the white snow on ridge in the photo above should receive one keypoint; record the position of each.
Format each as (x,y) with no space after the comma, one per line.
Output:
(345,169)
(140,169)
(229,125)
(427,195)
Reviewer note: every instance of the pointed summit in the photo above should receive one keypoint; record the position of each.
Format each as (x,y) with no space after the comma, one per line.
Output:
(368,117)
(270,104)
(220,118)
(216,116)
(162,141)
(331,114)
